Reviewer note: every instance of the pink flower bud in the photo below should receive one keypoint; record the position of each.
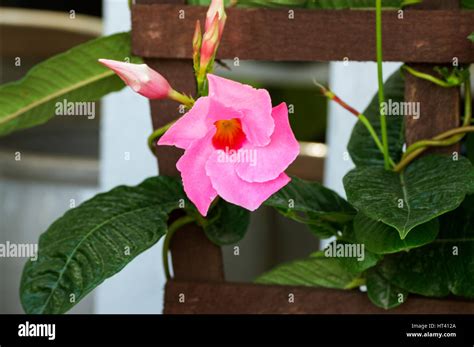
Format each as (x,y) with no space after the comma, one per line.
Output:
(210,42)
(197,40)
(216,7)
(141,78)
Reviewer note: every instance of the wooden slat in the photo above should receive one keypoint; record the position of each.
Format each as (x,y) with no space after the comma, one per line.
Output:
(194,256)
(313,35)
(243,298)
(439,107)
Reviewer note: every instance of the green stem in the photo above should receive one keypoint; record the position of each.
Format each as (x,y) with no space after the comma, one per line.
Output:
(372,132)
(450,138)
(428,77)
(383,120)
(181,98)
(175,226)
(467,102)
(156,135)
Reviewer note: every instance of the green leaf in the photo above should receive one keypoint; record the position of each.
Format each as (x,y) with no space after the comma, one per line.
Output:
(362,148)
(313,272)
(226,223)
(333,267)
(429,187)
(323,210)
(382,239)
(383,293)
(471,35)
(74,76)
(442,267)
(95,241)
(353,257)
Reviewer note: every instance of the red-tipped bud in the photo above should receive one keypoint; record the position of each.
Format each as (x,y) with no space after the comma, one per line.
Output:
(141,78)
(197,41)
(216,7)
(210,42)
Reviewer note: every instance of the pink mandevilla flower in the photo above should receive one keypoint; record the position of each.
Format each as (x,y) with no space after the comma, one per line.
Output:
(236,146)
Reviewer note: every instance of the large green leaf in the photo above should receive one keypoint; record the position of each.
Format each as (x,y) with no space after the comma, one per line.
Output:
(318,4)
(226,223)
(321,271)
(312,272)
(381,238)
(96,240)
(442,267)
(383,293)
(323,210)
(74,76)
(429,187)
(361,145)
(354,257)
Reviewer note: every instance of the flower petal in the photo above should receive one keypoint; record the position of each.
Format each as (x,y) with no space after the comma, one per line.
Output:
(233,189)
(196,183)
(255,104)
(270,161)
(195,124)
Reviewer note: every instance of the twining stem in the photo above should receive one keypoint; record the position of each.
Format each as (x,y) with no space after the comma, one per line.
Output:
(383,120)
(156,135)
(447,138)
(429,77)
(175,226)
(449,141)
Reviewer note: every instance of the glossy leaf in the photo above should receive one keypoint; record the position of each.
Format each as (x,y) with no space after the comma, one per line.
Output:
(429,187)
(94,241)
(226,223)
(73,76)
(313,272)
(353,257)
(383,293)
(381,238)
(323,210)
(320,270)
(443,267)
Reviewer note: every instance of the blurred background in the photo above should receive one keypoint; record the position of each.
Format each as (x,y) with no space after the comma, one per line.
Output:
(46,170)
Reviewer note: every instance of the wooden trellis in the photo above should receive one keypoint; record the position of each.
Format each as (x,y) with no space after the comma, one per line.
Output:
(434,32)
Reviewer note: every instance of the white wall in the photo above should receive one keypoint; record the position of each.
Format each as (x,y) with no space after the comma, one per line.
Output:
(355,83)
(126,124)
